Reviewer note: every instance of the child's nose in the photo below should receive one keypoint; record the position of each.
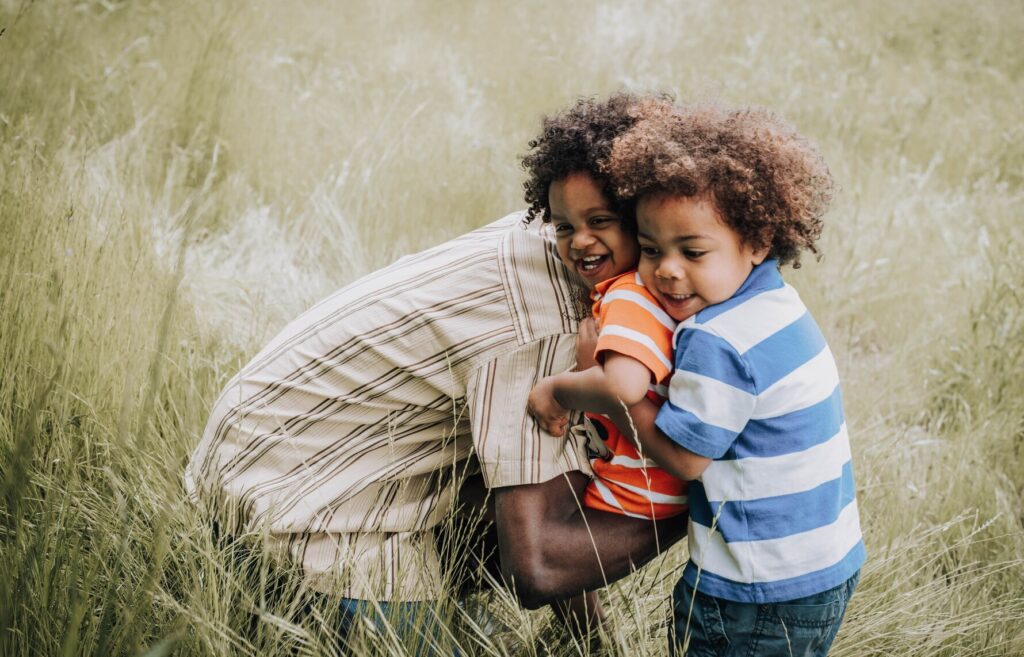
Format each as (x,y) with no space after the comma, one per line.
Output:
(669,270)
(581,239)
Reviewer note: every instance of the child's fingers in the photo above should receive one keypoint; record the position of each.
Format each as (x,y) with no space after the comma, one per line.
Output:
(558,425)
(555,426)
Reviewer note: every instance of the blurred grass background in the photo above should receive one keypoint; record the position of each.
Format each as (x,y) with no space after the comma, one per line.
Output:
(180,179)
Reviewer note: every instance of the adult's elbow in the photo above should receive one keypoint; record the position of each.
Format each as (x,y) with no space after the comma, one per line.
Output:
(531,583)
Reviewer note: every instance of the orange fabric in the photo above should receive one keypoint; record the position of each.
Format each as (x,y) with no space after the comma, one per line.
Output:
(630,322)
(614,306)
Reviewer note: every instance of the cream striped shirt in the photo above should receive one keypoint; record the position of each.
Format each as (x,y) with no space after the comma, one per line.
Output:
(341,438)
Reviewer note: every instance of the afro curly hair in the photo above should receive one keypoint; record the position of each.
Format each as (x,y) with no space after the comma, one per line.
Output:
(769,183)
(579,139)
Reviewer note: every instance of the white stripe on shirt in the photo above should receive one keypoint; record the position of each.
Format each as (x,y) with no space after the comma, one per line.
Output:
(730,480)
(653,309)
(781,558)
(712,401)
(758,318)
(639,338)
(628,462)
(807,385)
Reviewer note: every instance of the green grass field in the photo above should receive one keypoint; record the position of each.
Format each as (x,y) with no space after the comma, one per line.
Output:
(181,178)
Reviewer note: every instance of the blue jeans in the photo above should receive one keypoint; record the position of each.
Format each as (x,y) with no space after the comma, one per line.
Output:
(804,627)
(415,623)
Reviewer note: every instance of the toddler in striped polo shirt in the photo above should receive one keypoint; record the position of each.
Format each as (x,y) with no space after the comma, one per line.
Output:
(754,416)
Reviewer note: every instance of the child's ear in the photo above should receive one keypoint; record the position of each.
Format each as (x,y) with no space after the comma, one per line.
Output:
(758,256)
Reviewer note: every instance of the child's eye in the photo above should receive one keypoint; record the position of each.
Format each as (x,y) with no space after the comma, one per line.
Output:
(601,221)
(693,255)
(649,252)
(563,229)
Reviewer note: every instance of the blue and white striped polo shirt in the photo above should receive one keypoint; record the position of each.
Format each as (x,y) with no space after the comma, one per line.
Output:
(774,516)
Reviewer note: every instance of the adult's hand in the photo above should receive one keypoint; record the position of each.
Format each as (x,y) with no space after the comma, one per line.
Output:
(553,548)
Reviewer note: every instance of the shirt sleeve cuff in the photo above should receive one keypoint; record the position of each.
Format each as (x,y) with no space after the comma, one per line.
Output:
(500,473)
(680,432)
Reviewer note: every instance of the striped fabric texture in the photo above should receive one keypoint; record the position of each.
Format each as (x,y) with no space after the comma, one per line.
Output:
(340,441)
(774,517)
(630,322)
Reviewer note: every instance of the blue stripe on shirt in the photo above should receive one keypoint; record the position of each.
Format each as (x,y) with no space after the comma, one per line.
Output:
(792,432)
(774,517)
(711,356)
(686,429)
(784,351)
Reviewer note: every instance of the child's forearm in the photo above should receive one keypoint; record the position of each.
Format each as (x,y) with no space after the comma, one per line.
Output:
(594,391)
(672,457)
(584,391)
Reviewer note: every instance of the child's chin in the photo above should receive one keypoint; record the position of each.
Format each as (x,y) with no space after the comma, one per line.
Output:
(682,312)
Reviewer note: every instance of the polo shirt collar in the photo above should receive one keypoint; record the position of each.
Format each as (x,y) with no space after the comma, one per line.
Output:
(764,276)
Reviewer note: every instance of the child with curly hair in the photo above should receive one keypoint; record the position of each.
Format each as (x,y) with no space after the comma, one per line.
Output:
(595,237)
(754,417)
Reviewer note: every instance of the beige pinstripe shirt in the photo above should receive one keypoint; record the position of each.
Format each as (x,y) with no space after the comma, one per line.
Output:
(341,438)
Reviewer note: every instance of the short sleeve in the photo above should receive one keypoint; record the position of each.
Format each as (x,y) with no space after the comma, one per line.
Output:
(711,395)
(510,446)
(633,324)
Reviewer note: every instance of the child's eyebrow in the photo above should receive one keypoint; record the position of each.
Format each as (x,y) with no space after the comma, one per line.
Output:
(587,211)
(681,238)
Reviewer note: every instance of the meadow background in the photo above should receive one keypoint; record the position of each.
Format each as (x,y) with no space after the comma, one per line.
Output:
(178,179)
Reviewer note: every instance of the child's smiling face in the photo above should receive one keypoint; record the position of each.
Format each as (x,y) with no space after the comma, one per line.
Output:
(689,257)
(591,236)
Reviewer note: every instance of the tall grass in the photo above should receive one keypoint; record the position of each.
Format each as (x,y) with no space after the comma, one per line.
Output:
(180,179)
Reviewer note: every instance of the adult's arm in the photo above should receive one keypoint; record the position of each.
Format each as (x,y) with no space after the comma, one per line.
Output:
(549,548)
(552,548)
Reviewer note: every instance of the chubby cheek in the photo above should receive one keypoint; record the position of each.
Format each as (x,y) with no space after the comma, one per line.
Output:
(562,247)
(629,252)
(646,270)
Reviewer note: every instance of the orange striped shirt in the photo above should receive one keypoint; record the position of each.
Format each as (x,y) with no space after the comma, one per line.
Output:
(631,322)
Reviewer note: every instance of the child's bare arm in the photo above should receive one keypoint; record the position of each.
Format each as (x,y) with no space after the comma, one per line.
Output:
(586,345)
(672,457)
(595,390)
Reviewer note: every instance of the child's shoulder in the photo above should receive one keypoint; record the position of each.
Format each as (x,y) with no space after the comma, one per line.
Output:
(628,287)
(626,281)
(749,319)
(625,301)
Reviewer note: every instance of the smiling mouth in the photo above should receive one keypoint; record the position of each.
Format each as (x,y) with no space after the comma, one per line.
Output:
(677,298)
(590,263)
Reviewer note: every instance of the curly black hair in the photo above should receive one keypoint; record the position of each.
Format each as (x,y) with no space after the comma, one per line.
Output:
(579,139)
(770,184)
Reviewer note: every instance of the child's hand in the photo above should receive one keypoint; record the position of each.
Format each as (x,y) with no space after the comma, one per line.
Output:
(550,415)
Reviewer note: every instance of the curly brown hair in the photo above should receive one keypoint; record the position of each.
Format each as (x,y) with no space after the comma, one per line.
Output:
(769,183)
(579,139)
